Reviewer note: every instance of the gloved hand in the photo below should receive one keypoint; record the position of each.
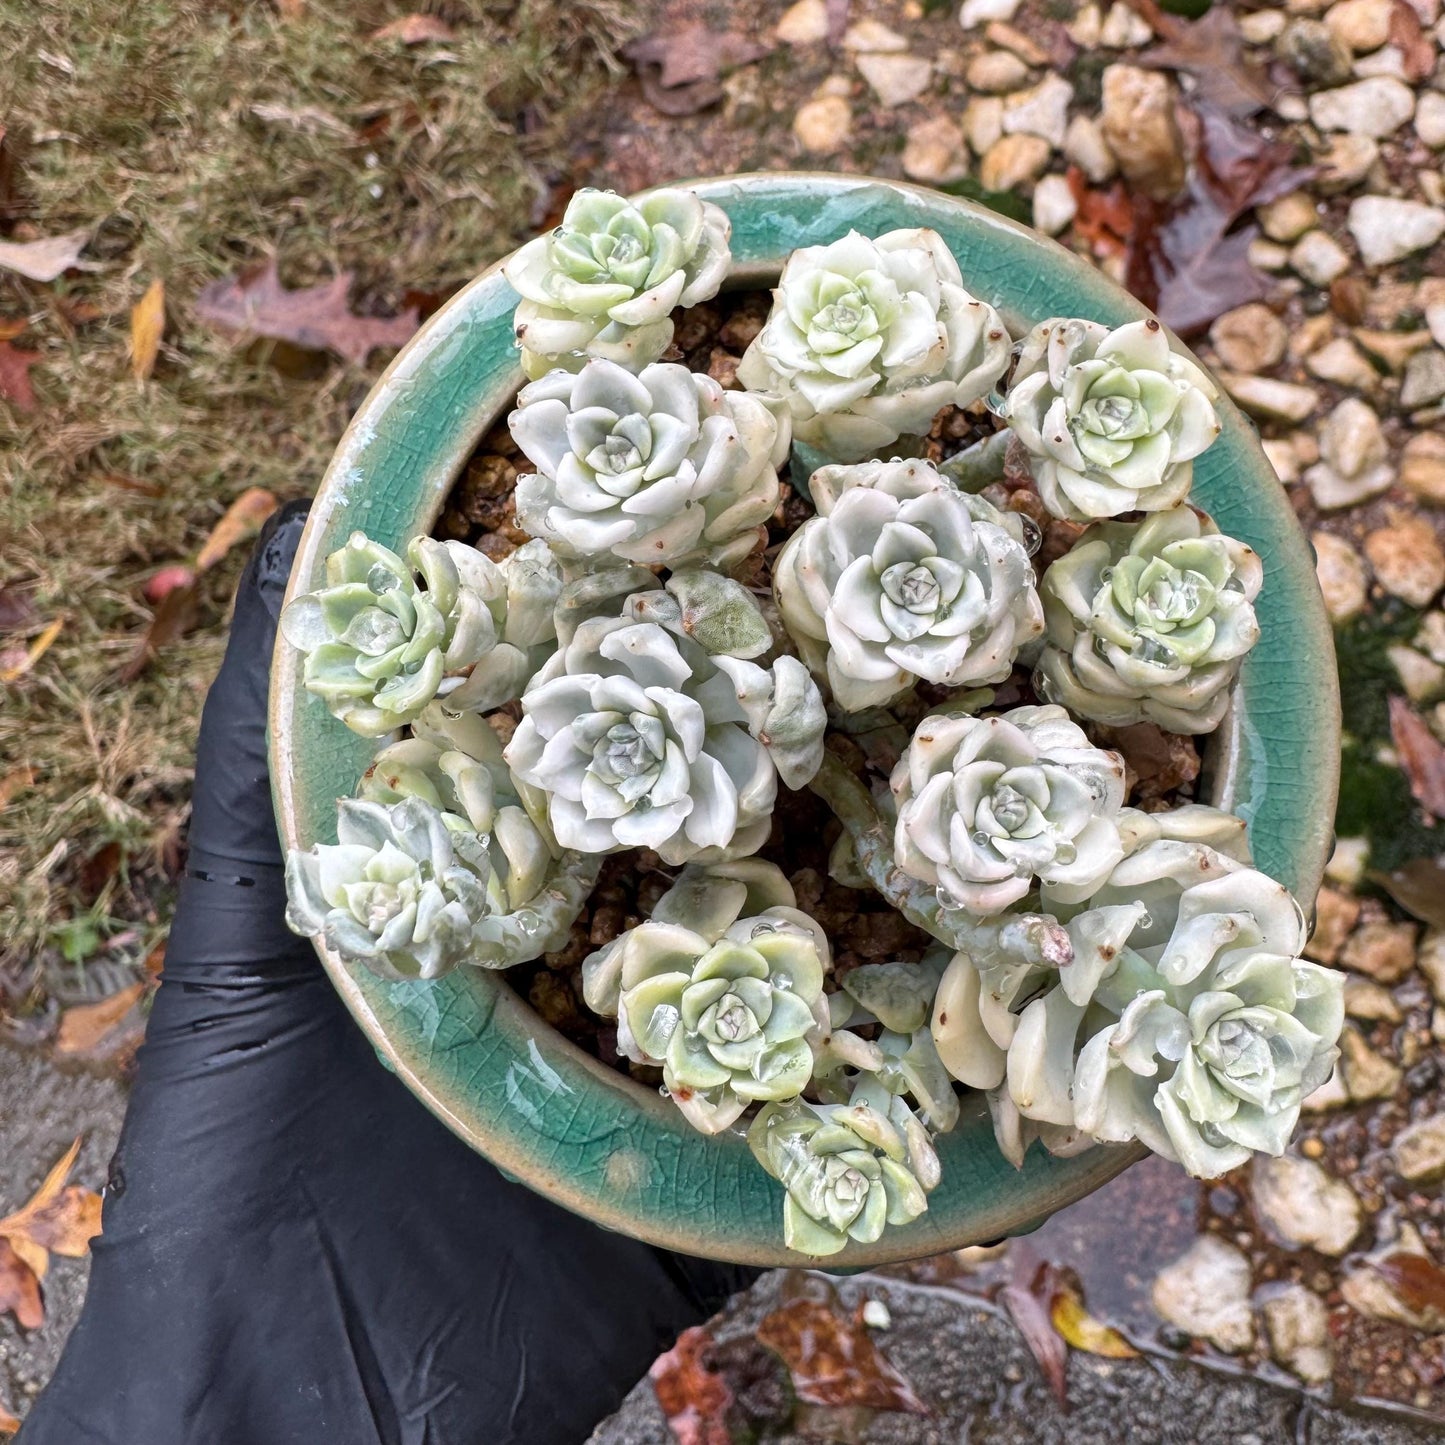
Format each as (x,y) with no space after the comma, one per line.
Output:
(295,1252)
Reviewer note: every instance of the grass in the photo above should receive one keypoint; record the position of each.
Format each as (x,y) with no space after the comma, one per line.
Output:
(194,138)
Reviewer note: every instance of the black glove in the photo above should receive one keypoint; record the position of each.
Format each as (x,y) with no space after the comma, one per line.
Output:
(295,1252)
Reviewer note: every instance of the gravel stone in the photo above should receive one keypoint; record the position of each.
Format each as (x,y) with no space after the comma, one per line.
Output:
(1319,258)
(1042,110)
(1371,1001)
(1249,338)
(1347,162)
(1430,118)
(1376,107)
(1054,205)
(805,23)
(1314,52)
(1362,25)
(1422,467)
(934,151)
(1275,400)
(1381,950)
(1335,913)
(1012,161)
(1205,1293)
(996,72)
(1419,1151)
(983,123)
(1408,561)
(896,79)
(1366,1074)
(1304,1207)
(872,37)
(823,125)
(1387,228)
(1085,146)
(1124,28)
(1424,379)
(1342,579)
(1139,123)
(1354,457)
(979,12)
(1288,218)
(1298,1326)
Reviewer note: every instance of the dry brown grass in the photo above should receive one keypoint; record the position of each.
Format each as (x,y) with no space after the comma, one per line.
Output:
(194,138)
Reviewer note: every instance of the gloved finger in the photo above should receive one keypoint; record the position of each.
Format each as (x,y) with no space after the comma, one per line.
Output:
(230,918)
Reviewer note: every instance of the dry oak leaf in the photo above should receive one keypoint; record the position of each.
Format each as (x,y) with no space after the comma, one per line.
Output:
(45,259)
(15,384)
(833,1360)
(242,520)
(147,322)
(317,318)
(84,1027)
(693,1396)
(679,69)
(1211,51)
(415,30)
(1421,756)
(19,1289)
(1029,1297)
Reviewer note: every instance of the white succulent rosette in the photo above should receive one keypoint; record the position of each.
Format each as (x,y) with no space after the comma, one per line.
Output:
(869,339)
(634,735)
(400,891)
(605,282)
(988,807)
(903,577)
(728,1019)
(384,636)
(662,468)
(850,1169)
(1150,621)
(1112,419)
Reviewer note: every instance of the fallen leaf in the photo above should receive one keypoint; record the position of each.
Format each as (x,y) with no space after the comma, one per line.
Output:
(679,69)
(1105,219)
(147,322)
(13,145)
(1417,49)
(172,619)
(19,1289)
(1186,260)
(1418,1283)
(242,519)
(315,317)
(84,1027)
(59,1217)
(1421,756)
(13,326)
(16,781)
(166,581)
(694,1397)
(1158,762)
(415,30)
(1081,1330)
(45,259)
(34,652)
(1029,1301)
(1418,887)
(8,1423)
(130,484)
(833,1360)
(1210,51)
(15,384)
(291,9)
(99,868)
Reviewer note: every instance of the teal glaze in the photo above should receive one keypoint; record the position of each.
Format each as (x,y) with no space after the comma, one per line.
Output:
(475,1053)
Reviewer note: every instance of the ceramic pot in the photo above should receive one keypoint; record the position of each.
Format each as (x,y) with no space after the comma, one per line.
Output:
(472,1050)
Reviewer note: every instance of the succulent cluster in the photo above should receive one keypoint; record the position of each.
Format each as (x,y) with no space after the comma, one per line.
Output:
(648,670)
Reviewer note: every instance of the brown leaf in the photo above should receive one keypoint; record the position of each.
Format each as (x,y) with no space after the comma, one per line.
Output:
(679,69)
(316,317)
(1029,1301)
(1105,219)
(15,384)
(159,584)
(147,323)
(85,1027)
(59,1218)
(13,326)
(1418,1282)
(1186,261)
(1418,887)
(1211,51)
(172,619)
(1158,762)
(1081,1330)
(8,1423)
(415,30)
(130,484)
(693,1396)
(1407,35)
(16,781)
(45,259)
(833,1359)
(242,519)
(19,1289)
(1421,756)
(290,9)
(99,868)
(33,653)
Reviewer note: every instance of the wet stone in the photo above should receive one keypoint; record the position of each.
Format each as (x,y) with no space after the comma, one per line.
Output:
(1205,1293)
(1408,560)
(1418,1152)
(1298,1326)
(1303,1207)
(1249,338)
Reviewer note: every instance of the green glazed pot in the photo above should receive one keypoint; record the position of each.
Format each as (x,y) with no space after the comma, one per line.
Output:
(473,1051)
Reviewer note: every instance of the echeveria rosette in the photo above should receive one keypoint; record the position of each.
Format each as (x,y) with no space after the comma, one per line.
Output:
(384,636)
(990,806)
(901,576)
(1149,622)
(850,1169)
(869,339)
(1112,419)
(728,1020)
(400,891)
(635,737)
(605,282)
(661,468)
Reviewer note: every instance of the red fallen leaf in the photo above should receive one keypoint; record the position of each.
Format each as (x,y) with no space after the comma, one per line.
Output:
(1186,261)
(833,1359)
(679,69)
(1421,756)
(1418,1283)
(1417,50)
(57,1219)
(166,581)
(8,1422)
(1030,1305)
(1211,51)
(15,386)
(693,1395)
(174,616)
(19,1289)
(415,30)
(1105,219)
(316,318)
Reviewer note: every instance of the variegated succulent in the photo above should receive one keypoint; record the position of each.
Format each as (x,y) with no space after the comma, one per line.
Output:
(869,339)
(605,281)
(1150,621)
(902,577)
(989,805)
(1112,419)
(663,467)
(384,636)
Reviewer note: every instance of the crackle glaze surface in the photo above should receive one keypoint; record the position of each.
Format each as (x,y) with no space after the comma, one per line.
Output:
(475,1053)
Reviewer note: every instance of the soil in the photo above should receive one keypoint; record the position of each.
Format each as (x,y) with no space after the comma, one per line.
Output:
(863,928)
